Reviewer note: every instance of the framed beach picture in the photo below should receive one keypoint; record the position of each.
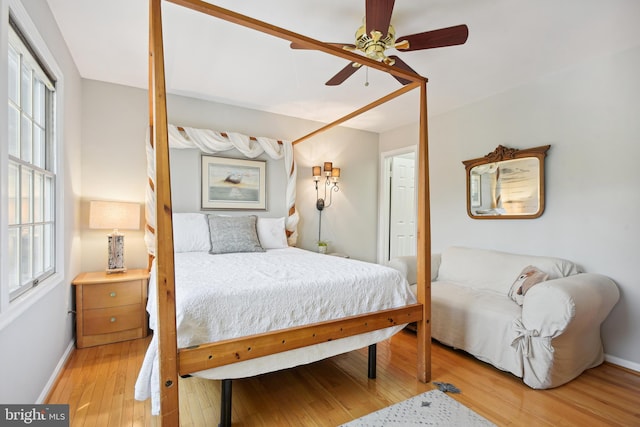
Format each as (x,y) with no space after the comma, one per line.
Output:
(233,183)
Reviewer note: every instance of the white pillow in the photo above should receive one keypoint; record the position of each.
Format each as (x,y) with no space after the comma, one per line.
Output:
(271,233)
(191,233)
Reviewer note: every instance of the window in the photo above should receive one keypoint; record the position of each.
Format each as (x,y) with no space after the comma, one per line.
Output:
(31,183)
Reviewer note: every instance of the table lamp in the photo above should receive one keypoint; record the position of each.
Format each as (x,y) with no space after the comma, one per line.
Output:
(116,216)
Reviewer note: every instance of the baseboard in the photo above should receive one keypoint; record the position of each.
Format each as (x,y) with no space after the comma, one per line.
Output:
(622,362)
(54,376)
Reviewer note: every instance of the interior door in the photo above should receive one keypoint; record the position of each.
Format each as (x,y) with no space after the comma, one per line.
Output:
(402,206)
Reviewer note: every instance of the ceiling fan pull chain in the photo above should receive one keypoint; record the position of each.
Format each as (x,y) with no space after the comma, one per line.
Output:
(366,81)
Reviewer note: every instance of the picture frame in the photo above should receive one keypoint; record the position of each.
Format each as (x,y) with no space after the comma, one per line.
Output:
(229,183)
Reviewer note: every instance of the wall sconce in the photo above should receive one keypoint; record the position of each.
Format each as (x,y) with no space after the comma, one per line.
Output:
(331,178)
(114,215)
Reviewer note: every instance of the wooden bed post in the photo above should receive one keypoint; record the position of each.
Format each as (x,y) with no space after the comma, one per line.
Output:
(166,330)
(166,336)
(424,245)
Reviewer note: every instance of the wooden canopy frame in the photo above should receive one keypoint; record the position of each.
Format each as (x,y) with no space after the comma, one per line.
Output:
(174,361)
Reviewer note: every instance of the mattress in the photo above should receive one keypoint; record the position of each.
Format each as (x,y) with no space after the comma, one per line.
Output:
(227,296)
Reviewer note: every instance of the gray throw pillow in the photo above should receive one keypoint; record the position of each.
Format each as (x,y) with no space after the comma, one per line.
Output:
(233,234)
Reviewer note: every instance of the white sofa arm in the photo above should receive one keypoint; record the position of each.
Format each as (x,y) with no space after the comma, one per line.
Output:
(407,265)
(563,316)
(550,307)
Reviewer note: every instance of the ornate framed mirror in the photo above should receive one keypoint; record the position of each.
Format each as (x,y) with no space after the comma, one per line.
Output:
(506,184)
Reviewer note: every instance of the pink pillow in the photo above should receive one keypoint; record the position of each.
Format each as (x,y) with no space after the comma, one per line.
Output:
(529,277)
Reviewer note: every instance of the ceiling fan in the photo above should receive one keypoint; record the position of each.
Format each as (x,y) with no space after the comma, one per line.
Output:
(376,35)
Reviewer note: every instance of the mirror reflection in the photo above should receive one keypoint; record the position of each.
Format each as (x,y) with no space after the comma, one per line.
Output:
(507,183)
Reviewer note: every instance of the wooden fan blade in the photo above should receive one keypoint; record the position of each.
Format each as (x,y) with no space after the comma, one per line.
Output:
(401,64)
(450,36)
(346,46)
(378,15)
(343,74)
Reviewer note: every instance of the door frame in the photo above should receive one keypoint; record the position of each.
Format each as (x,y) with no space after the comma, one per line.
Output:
(384,200)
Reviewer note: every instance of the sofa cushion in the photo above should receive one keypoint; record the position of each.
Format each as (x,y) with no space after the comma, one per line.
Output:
(493,270)
(528,277)
(476,321)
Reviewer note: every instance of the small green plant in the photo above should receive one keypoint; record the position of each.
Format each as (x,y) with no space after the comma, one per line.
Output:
(323,246)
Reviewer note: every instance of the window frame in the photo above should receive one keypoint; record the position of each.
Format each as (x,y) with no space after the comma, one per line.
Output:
(37,172)
(13,307)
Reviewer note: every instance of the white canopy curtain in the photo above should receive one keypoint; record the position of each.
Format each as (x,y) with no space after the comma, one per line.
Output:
(211,142)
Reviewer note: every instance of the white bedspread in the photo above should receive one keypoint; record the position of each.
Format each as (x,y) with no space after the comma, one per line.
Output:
(233,295)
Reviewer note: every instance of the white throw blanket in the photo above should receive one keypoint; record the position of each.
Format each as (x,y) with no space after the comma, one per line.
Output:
(233,295)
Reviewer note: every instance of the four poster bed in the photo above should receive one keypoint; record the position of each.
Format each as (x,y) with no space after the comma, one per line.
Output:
(174,355)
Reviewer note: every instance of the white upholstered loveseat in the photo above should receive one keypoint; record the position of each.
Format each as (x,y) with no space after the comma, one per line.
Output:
(547,341)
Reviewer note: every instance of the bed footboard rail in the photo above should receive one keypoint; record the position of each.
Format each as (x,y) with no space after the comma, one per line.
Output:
(212,355)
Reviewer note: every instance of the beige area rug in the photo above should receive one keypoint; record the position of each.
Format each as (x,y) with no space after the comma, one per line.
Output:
(433,408)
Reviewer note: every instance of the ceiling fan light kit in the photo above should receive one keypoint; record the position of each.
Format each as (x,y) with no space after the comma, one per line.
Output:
(373,43)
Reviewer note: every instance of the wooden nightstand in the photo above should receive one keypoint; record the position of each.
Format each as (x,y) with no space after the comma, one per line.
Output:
(110,307)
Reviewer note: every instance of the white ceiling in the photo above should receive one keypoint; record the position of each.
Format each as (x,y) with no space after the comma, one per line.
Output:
(511,42)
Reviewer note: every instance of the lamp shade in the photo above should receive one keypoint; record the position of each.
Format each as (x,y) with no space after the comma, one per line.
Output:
(335,172)
(316,171)
(328,166)
(114,215)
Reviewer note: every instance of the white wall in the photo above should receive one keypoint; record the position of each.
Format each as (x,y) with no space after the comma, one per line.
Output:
(350,223)
(113,168)
(590,116)
(35,339)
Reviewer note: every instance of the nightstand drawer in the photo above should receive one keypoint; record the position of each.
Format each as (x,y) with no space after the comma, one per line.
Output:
(112,319)
(112,294)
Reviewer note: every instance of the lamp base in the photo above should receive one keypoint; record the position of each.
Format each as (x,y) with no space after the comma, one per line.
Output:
(116,254)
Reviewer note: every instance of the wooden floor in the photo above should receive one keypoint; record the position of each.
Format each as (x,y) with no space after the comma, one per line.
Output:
(98,385)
